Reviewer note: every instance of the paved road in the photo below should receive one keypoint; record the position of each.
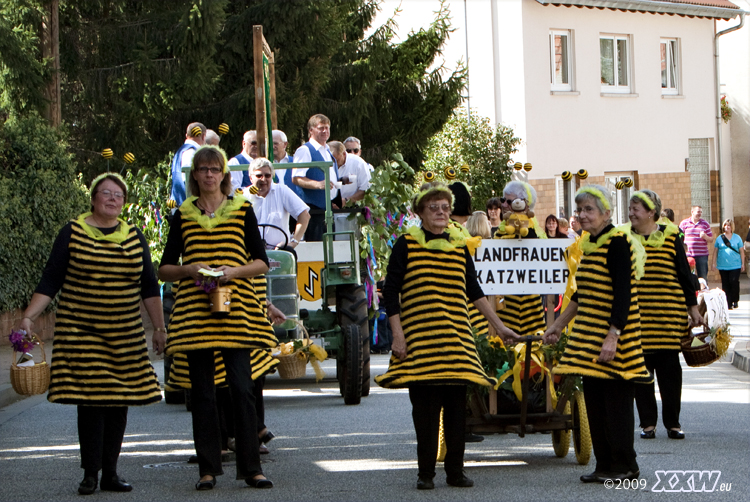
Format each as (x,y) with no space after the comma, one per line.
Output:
(327,451)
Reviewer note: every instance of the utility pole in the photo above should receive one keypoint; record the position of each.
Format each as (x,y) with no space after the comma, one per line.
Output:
(50,41)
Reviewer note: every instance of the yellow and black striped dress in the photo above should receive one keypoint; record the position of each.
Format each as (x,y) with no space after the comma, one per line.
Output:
(261,361)
(191,325)
(100,356)
(435,319)
(595,299)
(664,317)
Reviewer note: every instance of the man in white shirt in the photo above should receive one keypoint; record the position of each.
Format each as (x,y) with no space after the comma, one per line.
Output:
(353,173)
(311,181)
(241,179)
(354,147)
(281,157)
(273,204)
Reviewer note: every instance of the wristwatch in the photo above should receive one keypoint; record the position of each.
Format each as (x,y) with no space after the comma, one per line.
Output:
(617,332)
(294,240)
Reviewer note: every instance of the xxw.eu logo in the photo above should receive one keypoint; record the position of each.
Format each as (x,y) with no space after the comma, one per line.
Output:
(689,481)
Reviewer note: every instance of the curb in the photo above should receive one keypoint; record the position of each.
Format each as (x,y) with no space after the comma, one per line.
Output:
(9,396)
(741,360)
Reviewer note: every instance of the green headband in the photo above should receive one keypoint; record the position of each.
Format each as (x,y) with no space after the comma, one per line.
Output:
(99,179)
(528,192)
(596,193)
(645,199)
(434,190)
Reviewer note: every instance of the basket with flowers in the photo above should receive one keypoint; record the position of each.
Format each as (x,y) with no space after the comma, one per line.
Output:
(293,357)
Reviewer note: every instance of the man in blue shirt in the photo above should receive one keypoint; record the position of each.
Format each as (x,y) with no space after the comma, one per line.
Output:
(194,139)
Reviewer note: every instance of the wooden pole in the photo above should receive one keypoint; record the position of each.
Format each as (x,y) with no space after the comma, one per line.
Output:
(260,119)
(51,50)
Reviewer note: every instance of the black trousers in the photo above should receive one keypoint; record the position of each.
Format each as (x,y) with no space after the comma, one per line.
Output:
(666,365)
(426,401)
(730,284)
(100,433)
(609,405)
(206,428)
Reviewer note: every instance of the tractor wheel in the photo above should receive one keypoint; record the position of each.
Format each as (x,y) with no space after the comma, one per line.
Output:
(442,449)
(352,374)
(351,306)
(171,396)
(581,432)
(561,439)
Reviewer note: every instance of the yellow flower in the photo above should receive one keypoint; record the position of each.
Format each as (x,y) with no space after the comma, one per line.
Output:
(497,342)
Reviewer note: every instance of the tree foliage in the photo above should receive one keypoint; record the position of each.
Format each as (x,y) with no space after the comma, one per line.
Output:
(476,144)
(39,192)
(136,73)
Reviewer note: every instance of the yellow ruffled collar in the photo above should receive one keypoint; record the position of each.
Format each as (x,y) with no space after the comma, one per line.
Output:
(191,212)
(656,238)
(119,235)
(456,238)
(638,260)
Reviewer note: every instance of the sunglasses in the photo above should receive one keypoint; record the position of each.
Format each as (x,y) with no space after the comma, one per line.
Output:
(204,170)
(352,150)
(261,176)
(446,208)
(253,143)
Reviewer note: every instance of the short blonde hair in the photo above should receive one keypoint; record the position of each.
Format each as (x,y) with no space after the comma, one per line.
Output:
(731,224)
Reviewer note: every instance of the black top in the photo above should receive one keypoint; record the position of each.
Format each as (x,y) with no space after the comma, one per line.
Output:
(56,269)
(394,279)
(175,245)
(618,264)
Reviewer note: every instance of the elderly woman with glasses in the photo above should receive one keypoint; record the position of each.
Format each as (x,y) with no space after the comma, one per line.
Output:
(666,297)
(100,360)
(214,231)
(604,345)
(429,279)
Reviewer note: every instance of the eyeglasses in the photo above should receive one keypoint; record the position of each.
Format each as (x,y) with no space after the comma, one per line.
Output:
(261,176)
(253,143)
(352,150)
(446,208)
(204,170)
(109,193)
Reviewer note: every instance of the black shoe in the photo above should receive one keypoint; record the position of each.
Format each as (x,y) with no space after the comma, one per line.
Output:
(267,437)
(648,434)
(730,307)
(736,305)
(672,434)
(114,484)
(631,475)
(425,484)
(259,483)
(193,459)
(87,486)
(470,437)
(594,477)
(206,485)
(460,481)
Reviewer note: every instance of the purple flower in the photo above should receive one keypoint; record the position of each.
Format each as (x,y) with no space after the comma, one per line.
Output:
(20,342)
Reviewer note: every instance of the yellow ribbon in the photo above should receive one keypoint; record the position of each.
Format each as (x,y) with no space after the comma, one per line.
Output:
(537,357)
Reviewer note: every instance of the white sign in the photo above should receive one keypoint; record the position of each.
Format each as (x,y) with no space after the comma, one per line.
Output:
(522,266)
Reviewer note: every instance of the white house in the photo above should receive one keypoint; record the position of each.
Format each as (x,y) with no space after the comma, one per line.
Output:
(619,88)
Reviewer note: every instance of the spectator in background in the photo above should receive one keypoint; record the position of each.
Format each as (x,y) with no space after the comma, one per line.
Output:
(212,138)
(668,214)
(697,236)
(280,143)
(353,173)
(241,179)
(575,226)
(479,225)
(564,227)
(194,139)
(729,260)
(553,228)
(354,146)
(494,213)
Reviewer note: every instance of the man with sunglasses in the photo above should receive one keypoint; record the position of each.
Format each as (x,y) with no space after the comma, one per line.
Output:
(354,147)
(241,179)
(312,181)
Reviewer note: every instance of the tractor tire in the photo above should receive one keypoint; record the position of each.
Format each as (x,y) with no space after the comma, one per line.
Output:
(351,306)
(173,396)
(561,439)
(581,431)
(351,379)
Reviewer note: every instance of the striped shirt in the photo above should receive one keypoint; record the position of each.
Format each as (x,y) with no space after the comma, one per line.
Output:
(696,245)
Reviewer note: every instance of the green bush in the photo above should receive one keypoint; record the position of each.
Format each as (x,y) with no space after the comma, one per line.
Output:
(39,193)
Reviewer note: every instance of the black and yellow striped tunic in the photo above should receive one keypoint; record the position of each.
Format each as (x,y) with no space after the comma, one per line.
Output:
(100,356)
(435,320)
(191,325)
(664,317)
(261,361)
(595,299)
(524,314)
(478,322)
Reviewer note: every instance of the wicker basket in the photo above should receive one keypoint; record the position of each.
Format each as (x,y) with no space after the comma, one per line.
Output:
(293,365)
(702,355)
(30,380)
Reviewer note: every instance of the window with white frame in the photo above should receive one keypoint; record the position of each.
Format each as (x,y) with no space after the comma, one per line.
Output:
(565,194)
(561,65)
(614,53)
(620,196)
(669,69)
